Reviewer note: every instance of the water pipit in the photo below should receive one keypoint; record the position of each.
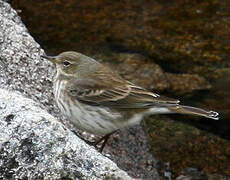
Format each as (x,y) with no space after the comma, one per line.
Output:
(99,101)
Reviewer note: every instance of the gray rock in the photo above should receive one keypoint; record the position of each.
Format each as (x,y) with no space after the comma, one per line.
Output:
(34,145)
(20,64)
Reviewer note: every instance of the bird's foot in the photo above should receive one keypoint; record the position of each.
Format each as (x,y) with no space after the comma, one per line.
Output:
(103,139)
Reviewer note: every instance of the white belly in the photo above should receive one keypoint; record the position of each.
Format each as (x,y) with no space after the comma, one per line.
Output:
(93,119)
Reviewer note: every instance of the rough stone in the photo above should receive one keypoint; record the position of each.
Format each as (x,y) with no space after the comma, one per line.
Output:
(33,144)
(186,83)
(21,66)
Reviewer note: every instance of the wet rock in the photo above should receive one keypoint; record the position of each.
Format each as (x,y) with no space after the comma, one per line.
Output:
(139,70)
(184,145)
(186,83)
(34,145)
(193,173)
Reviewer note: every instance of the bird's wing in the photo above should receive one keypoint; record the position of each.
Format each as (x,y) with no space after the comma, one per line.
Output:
(96,92)
(116,93)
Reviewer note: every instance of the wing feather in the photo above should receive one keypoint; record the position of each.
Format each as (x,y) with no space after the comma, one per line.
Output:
(123,95)
(107,88)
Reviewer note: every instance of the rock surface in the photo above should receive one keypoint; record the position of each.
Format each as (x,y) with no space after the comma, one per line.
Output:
(183,145)
(20,63)
(34,145)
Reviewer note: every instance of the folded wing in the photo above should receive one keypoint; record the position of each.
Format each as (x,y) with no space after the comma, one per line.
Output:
(116,93)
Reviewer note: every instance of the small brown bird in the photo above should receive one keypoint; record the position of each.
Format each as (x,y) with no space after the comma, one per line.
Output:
(99,101)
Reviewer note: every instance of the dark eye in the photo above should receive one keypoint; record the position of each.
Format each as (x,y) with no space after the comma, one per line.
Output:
(66,63)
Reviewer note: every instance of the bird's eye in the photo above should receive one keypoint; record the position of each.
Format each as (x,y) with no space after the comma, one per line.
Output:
(66,63)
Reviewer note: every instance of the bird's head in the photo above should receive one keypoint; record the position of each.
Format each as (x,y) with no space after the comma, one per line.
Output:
(67,63)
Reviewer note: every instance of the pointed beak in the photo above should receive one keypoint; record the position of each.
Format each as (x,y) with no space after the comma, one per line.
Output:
(50,58)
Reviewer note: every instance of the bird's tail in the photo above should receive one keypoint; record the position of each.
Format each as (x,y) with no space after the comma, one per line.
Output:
(194,111)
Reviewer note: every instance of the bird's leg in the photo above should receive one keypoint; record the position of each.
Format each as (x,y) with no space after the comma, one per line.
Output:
(88,142)
(104,139)
(95,143)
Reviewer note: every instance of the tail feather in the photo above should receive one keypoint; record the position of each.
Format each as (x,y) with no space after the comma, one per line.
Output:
(194,111)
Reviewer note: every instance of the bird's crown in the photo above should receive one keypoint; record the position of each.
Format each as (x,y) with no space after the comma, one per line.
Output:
(71,62)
